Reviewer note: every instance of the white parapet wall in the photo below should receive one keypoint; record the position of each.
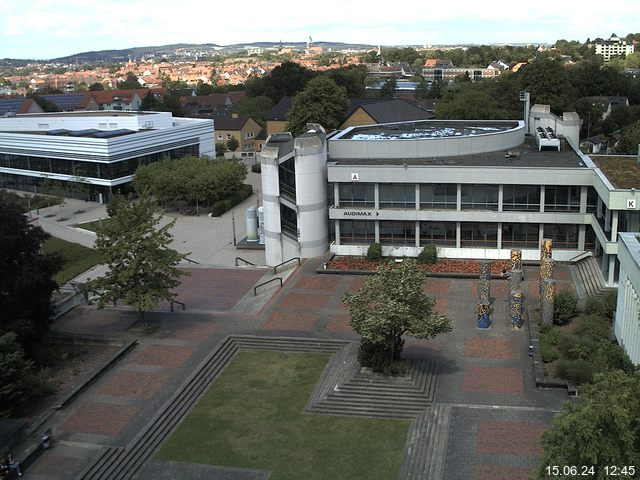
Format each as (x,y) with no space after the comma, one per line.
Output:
(626,325)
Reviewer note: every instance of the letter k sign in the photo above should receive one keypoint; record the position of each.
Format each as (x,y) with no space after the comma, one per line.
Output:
(631,203)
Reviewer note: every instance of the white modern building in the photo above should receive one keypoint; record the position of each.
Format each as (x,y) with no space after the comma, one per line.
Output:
(102,149)
(474,188)
(626,326)
(614,47)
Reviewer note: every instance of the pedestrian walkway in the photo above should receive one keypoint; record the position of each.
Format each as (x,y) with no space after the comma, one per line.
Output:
(485,417)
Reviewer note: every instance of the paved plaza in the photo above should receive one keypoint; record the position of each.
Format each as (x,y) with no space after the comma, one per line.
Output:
(485,378)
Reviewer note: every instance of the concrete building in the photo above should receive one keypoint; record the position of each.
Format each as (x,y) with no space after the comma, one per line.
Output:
(474,188)
(614,47)
(101,148)
(626,326)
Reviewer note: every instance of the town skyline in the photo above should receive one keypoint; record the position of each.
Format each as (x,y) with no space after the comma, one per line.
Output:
(42,30)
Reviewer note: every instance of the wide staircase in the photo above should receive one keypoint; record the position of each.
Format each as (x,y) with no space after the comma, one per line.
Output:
(587,271)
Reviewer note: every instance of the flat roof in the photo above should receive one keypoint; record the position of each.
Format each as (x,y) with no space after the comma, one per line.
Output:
(524,155)
(91,113)
(622,171)
(427,129)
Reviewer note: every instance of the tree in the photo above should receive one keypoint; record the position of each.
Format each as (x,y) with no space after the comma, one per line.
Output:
(96,87)
(629,140)
(256,107)
(149,102)
(388,90)
(142,269)
(390,304)
(548,82)
(233,144)
(287,79)
(322,101)
(470,104)
(604,429)
(130,81)
(26,277)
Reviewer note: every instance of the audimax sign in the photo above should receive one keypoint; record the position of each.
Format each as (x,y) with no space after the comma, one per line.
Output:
(359,213)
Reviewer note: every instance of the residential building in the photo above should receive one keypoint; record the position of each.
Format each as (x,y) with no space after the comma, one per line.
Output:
(614,47)
(474,188)
(73,102)
(607,103)
(241,127)
(103,149)
(15,105)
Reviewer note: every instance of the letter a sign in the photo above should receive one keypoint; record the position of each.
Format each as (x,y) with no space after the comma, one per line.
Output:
(355,177)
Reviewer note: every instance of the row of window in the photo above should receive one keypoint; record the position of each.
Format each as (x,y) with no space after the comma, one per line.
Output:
(403,233)
(78,168)
(473,197)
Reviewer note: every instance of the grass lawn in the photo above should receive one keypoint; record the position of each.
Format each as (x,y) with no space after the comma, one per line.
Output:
(252,417)
(93,225)
(77,258)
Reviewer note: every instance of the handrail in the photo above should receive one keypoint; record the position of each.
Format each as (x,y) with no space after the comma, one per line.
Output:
(580,256)
(286,261)
(247,262)
(190,261)
(176,301)
(255,289)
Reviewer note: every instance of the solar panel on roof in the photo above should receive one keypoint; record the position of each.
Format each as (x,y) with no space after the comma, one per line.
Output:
(58,131)
(83,133)
(112,133)
(65,102)
(10,105)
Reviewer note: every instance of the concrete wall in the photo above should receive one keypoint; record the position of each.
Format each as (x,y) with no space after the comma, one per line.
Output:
(626,326)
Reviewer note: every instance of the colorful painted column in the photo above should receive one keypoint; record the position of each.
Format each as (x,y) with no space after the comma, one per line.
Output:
(546,273)
(515,309)
(485,270)
(545,248)
(484,321)
(484,291)
(516,260)
(548,301)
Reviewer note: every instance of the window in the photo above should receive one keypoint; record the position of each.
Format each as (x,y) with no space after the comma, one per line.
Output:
(356,195)
(520,235)
(228,136)
(592,200)
(562,198)
(357,232)
(564,236)
(524,198)
(287,175)
(397,233)
(397,195)
(219,136)
(288,221)
(440,233)
(479,235)
(480,197)
(438,196)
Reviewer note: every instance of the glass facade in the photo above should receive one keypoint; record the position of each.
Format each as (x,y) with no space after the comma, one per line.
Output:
(397,195)
(397,233)
(104,170)
(357,232)
(480,197)
(288,221)
(440,233)
(356,195)
(564,236)
(522,198)
(287,178)
(438,196)
(561,198)
(520,235)
(479,235)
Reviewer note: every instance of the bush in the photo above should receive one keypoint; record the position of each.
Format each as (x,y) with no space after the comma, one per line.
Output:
(221,206)
(236,197)
(577,371)
(256,168)
(549,335)
(549,353)
(374,253)
(429,254)
(565,308)
(602,306)
(611,356)
(574,346)
(593,326)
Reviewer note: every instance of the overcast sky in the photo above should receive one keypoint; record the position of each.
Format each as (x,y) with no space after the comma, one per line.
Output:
(47,29)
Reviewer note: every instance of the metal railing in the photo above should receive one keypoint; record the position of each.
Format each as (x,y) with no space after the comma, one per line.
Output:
(285,262)
(581,256)
(172,302)
(190,261)
(247,262)
(255,289)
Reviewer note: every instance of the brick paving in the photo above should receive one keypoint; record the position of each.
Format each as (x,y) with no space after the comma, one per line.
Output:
(476,367)
(164,355)
(100,418)
(512,438)
(493,380)
(132,383)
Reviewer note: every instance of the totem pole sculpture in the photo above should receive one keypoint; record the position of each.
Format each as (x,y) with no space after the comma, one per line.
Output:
(548,301)
(484,295)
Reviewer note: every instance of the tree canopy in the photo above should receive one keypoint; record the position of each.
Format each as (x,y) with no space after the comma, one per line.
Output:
(26,277)
(629,140)
(602,430)
(322,101)
(390,304)
(286,79)
(548,82)
(141,268)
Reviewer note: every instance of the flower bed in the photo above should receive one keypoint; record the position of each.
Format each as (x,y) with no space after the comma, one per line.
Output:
(454,266)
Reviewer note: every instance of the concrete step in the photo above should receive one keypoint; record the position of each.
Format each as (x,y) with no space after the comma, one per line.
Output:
(350,389)
(438,442)
(378,412)
(395,401)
